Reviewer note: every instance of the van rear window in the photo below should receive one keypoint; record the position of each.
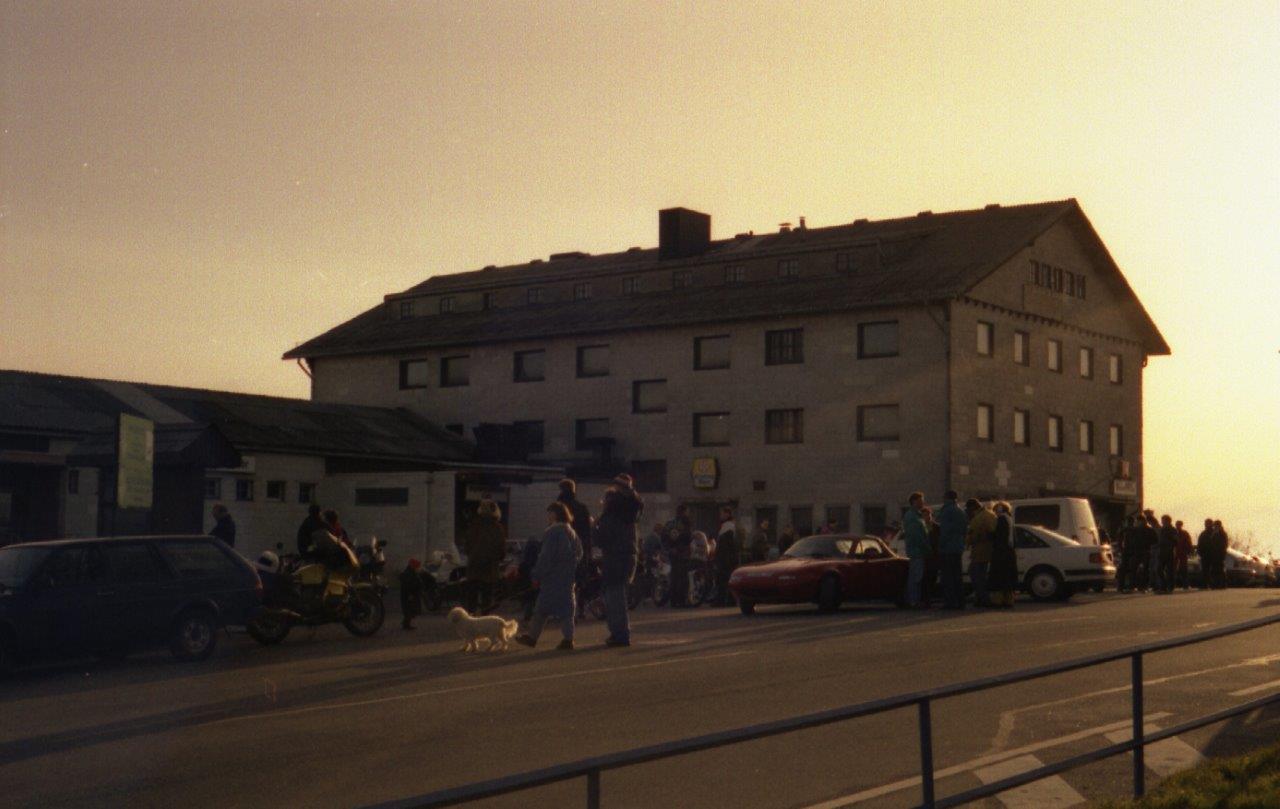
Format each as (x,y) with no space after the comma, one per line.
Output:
(1047,516)
(196,560)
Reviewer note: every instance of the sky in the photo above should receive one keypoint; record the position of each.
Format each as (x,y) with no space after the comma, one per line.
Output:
(187,190)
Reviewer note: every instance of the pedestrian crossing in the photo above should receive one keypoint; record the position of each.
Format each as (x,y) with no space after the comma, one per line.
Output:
(1047,793)
(1164,757)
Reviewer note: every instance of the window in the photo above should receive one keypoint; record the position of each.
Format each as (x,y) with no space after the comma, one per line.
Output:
(406,310)
(735,274)
(650,476)
(413,374)
(784,347)
(711,353)
(1115,370)
(77,565)
(840,516)
(874,519)
(986,338)
(213,488)
(711,429)
(878,423)
(1022,348)
(532,435)
(845,263)
(681,279)
(1022,428)
(588,431)
(1086,363)
(784,426)
(1116,440)
(986,414)
(802,520)
(306,493)
(132,562)
(455,372)
(1054,432)
(593,361)
(383,496)
(649,396)
(489,300)
(631,286)
(582,292)
(1086,437)
(1053,359)
(1022,538)
(446,304)
(244,489)
(275,490)
(196,560)
(73,481)
(1044,515)
(877,339)
(536,295)
(530,366)
(788,268)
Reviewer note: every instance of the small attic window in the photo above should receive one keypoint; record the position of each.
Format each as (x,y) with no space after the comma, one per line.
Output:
(406,310)
(536,295)
(446,304)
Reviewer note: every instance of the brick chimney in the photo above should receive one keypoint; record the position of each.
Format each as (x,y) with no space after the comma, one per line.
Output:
(682,232)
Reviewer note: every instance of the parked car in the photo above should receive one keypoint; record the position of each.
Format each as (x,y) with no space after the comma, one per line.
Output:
(825,570)
(113,596)
(1243,570)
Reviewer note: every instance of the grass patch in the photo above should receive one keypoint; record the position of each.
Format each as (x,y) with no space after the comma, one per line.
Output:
(1251,781)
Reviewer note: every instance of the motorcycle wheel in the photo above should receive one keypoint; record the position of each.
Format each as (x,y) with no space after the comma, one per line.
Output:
(661,591)
(268,629)
(367,614)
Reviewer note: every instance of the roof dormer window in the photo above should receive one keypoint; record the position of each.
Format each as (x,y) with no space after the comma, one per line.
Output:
(446,304)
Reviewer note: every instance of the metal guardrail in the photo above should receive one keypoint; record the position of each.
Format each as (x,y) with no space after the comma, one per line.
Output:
(591,768)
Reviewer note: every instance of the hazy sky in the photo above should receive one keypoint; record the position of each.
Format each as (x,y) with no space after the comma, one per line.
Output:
(190,189)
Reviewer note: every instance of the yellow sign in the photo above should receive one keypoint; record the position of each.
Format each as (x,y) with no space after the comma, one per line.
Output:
(135,458)
(706,473)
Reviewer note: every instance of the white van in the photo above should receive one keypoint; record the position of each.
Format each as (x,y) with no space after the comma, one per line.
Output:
(1070,516)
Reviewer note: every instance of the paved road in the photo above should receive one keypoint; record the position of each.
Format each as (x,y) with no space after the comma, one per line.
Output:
(331,720)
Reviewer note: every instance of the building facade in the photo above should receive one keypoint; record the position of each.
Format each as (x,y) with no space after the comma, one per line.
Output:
(803,375)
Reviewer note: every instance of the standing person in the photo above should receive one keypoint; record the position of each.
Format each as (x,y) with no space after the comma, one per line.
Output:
(1168,547)
(334,527)
(828,527)
(679,537)
(1125,577)
(760,542)
(786,539)
(727,555)
(528,559)
(952,525)
(1151,539)
(555,575)
(929,586)
(224,528)
(485,543)
(978,538)
(653,541)
(617,538)
(582,526)
(1220,544)
(1207,547)
(410,594)
(307,530)
(1003,576)
(916,534)
(1180,554)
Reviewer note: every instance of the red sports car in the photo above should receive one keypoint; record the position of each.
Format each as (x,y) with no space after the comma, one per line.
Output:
(824,570)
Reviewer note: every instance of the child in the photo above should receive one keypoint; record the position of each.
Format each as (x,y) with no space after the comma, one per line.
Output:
(554,574)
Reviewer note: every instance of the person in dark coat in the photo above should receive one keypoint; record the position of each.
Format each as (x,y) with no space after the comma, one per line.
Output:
(1126,573)
(555,573)
(528,560)
(1180,555)
(312,523)
(616,536)
(411,589)
(224,528)
(952,525)
(1002,579)
(679,538)
(1206,549)
(727,555)
(583,527)
(485,544)
(1168,548)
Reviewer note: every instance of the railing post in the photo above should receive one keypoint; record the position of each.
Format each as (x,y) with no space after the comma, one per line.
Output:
(593,789)
(1139,734)
(926,755)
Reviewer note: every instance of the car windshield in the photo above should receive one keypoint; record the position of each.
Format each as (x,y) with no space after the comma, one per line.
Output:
(18,563)
(819,548)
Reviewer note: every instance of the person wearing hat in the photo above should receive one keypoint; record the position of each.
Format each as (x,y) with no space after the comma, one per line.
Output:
(615,535)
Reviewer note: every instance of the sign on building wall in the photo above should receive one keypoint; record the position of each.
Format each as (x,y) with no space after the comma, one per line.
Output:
(135,456)
(706,473)
(1127,489)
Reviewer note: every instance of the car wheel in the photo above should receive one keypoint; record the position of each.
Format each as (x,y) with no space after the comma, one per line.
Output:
(367,614)
(746,607)
(829,594)
(268,629)
(1045,584)
(195,635)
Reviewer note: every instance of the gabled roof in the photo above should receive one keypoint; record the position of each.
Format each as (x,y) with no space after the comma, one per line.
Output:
(931,257)
(76,406)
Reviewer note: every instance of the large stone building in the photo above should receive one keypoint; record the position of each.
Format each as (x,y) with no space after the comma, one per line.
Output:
(805,374)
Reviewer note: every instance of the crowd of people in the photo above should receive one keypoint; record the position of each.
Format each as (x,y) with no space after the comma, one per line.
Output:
(1154,555)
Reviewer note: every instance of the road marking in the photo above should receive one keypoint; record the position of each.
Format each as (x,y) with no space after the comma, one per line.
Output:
(333,706)
(1164,757)
(1047,793)
(1095,639)
(1001,625)
(1244,692)
(982,761)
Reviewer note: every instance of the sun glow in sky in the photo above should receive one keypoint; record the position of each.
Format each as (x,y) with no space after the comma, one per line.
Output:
(188,190)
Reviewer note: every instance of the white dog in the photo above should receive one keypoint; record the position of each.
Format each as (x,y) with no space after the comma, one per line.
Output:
(475,628)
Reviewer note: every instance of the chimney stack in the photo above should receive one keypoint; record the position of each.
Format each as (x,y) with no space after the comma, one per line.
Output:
(682,233)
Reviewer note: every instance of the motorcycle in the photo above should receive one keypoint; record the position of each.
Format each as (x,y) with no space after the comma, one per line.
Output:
(373,561)
(652,581)
(298,591)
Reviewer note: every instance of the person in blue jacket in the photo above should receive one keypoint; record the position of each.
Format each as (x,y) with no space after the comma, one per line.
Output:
(952,525)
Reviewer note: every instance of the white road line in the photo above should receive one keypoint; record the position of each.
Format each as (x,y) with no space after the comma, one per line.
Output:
(1047,793)
(1244,692)
(333,706)
(1164,757)
(983,761)
(1002,626)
